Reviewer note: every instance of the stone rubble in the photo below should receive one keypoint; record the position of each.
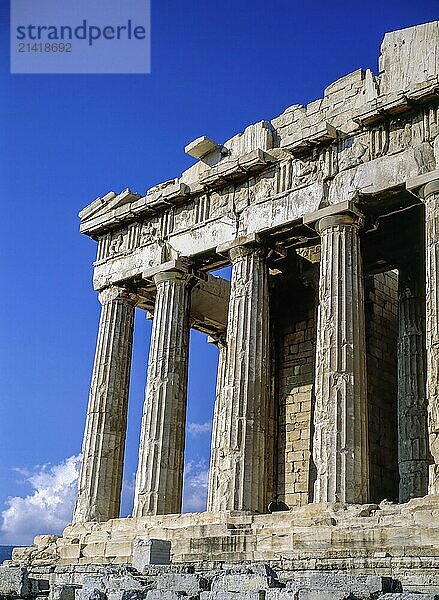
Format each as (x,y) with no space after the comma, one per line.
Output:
(227,583)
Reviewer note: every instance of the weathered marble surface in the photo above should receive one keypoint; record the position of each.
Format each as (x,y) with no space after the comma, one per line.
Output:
(103,449)
(241,448)
(159,481)
(413,451)
(340,447)
(430,194)
(427,187)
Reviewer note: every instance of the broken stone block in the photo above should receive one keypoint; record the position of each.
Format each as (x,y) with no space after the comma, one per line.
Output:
(260,595)
(191,585)
(126,586)
(318,594)
(163,595)
(409,596)
(93,588)
(243,583)
(91,594)
(200,147)
(62,592)
(14,581)
(131,594)
(250,568)
(358,586)
(277,594)
(150,552)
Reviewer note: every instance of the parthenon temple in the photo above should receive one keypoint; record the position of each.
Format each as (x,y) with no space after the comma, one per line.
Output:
(325,441)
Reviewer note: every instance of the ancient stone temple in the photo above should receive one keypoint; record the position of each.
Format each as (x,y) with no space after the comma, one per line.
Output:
(327,398)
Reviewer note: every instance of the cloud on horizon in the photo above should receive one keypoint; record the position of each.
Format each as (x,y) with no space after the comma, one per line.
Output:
(48,508)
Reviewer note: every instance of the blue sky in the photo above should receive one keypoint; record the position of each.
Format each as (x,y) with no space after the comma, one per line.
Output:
(64,140)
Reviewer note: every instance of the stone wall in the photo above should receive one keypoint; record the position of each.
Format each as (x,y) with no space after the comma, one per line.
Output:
(295,340)
(381,295)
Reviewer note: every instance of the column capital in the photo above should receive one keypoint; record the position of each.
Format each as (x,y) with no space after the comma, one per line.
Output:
(170,275)
(424,185)
(347,219)
(217,339)
(340,214)
(171,269)
(115,292)
(242,246)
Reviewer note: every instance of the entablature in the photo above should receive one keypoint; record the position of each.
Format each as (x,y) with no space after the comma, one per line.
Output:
(361,142)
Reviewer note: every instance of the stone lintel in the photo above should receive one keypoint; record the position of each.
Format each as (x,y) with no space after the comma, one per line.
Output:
(417,184)
(176,264)
(253,239)
(347,206)
(209,305)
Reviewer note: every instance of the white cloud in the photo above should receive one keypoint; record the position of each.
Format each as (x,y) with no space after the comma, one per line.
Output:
(49,506)
(199,428)
(47,509)
(196,477)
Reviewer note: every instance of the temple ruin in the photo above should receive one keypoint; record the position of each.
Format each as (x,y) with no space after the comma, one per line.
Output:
(327,398)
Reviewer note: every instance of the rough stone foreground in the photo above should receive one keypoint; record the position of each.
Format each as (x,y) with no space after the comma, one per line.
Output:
(228,582)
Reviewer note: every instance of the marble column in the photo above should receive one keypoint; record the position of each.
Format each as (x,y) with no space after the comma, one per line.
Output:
(219,426)
(240,477)
(340,446)
(103,448)
(159,480)
(430,195)
(413,454)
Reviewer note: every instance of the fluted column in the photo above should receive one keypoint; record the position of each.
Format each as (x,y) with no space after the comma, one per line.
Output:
(159,480)
(240,478)
(413,454)
(103,448)
(340,447)
(430,195)
(219,427)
